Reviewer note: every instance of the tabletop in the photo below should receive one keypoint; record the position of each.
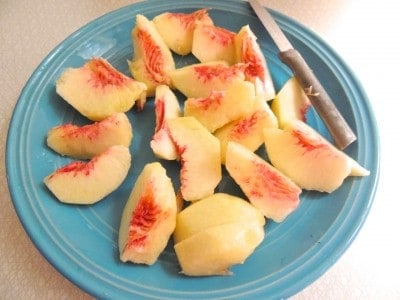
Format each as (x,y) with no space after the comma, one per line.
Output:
(363,33)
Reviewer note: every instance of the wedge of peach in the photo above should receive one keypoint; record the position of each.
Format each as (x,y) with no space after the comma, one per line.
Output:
(166,107)
(211,43)
(90,140)
(222,107)
(199,80)
(177,28)
(149,216)
(267,188)
(291,103)
(152,60)
(89,182)
(215,210)
(97,90)
(249,129)
(357,169)
(199,154)
(248,51)
(304,155)
(214,250)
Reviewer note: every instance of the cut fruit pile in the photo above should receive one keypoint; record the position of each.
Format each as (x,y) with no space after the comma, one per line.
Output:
(225,118)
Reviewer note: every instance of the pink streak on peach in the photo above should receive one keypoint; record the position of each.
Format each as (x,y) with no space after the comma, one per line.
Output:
(76,167)
(103,74)
(188,20)
(255,66)
(213,101)
(308,142)
(244,126)
(220,35)
(207,73)
(270,183)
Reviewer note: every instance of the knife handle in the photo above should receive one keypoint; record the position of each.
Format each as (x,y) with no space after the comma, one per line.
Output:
(319,98)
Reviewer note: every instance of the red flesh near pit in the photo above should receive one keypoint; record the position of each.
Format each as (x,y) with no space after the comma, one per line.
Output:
(160,114)
(270,183)
(188,21)
(244,126)
(77,167)
(308,142)
(103,74)
(254,63)
(152,56)
(144,219)
(214,100)
(208,73)
(220,35)
(90,131)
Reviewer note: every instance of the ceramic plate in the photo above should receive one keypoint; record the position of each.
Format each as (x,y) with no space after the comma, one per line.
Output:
(81,241)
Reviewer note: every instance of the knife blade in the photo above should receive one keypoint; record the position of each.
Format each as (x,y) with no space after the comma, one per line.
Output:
(341,132)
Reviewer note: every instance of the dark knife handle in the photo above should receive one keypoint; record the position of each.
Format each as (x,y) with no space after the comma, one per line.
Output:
(334,121)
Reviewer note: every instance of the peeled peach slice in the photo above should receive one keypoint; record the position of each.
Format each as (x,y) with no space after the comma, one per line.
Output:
(249,129)
(166,107)
(291,103)
(307,158)
(179,201)
(177,28)
(89,182)
(214,250)
(90,140)
(152,60)
(199,80)
(357,169)
(97,90)
(222,107)
(266,187)
(149,216)
(249,52)
(199,153)
(217,209)
(211,43)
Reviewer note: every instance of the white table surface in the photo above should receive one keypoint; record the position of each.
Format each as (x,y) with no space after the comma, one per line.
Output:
(362,32)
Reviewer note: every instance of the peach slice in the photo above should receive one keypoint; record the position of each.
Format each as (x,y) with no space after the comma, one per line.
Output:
(199,80)
(220,208)
(179,201)
(248,51)
(90,140)
(357,169)
(267,188)
(222,107)
(166,107)
(214,250)
(291,103)
(249,129)
(177,28)
(211,43)
(89,182)
(97,90)
(199,153)
(149,216)
(152,60)
(304,155)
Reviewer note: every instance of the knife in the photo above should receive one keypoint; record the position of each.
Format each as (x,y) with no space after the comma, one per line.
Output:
(341,132)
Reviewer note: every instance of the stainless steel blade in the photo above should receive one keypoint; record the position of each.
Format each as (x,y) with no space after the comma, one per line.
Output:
(272,27)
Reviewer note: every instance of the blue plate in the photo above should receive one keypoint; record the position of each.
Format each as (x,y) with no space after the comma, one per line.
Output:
(81,241)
